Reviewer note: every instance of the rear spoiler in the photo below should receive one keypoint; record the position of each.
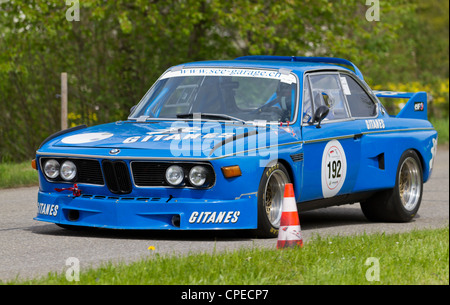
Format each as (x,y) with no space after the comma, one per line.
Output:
(415,108)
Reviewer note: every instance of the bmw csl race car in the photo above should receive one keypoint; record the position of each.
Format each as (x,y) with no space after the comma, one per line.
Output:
(212,144)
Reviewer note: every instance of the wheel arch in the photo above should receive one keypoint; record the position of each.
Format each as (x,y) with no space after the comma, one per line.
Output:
(295,179)
(422,164)
(288,168)
(294,171)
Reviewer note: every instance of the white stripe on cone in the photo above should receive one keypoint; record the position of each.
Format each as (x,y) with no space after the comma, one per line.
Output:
(289,204)
(289,234)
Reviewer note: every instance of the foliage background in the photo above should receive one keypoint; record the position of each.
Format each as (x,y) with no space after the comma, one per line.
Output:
(119,48)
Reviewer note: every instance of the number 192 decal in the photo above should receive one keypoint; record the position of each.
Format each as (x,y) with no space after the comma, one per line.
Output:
(334,168)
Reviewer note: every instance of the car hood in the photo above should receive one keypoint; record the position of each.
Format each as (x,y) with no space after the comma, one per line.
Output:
(170,139)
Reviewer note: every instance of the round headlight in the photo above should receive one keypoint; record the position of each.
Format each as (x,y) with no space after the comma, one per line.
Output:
(51,168)
(198,175)
(68,170)
(174,175)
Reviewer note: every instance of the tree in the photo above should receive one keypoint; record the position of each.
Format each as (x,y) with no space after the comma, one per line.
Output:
(117,50)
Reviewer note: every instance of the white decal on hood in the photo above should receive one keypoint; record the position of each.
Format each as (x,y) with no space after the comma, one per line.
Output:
(87,137)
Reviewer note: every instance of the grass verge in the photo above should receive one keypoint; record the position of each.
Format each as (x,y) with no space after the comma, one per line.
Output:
(17,174)
(417,257)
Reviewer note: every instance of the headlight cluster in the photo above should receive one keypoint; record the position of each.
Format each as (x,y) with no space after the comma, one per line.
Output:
(196,176)
(67,170)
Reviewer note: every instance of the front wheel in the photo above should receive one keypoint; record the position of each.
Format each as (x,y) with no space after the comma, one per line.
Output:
(270,200)
(401,203)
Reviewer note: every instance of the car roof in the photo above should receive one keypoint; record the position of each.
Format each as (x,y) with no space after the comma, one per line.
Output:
(298,65)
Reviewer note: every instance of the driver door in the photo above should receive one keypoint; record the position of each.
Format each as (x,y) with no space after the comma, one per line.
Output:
(332,149)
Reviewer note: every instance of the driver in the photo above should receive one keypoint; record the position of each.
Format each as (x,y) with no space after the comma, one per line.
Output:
(284,100)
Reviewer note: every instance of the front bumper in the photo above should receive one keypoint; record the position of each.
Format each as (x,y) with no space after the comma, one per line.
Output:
(147,213)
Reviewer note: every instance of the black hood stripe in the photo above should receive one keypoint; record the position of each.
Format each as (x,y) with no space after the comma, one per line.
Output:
(232,139)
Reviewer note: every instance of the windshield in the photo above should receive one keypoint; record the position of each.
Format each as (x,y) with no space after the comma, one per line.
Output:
(221,94)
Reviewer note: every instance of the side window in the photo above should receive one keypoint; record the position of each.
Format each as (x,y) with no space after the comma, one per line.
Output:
(359,102)
(326,90)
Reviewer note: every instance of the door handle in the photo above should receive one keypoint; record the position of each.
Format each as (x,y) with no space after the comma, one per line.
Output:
(357,136)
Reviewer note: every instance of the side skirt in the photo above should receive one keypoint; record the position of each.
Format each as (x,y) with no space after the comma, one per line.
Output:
(334,201)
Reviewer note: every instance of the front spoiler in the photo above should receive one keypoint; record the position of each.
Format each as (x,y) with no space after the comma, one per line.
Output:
(135,213)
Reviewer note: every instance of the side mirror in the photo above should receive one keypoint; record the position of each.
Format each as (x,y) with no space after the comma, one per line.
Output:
(320,114)
(132,109)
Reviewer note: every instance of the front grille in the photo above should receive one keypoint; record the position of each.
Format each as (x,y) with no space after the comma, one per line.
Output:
(149,173)
(117,176)
(89,171)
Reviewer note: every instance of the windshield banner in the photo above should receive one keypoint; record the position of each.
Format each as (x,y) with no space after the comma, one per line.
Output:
(271,74)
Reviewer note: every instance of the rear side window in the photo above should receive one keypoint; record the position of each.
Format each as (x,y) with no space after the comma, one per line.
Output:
(359,102)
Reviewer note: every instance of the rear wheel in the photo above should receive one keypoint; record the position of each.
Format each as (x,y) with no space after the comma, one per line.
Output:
(270,200)
(401,203)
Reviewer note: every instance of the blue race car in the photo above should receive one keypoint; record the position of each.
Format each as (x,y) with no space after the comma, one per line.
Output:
(212,144)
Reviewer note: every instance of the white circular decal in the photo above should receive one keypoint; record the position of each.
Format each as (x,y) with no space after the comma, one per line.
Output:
(86,138)
(334,168)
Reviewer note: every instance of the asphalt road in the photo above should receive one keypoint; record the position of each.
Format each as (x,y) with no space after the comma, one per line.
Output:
(29,249)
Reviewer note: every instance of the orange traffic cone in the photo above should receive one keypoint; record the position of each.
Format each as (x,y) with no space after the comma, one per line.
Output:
(290,234)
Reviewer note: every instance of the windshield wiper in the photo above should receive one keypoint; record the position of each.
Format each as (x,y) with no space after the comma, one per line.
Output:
(210,116)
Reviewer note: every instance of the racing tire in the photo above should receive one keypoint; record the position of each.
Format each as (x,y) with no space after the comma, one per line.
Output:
(270,200)
(401,203)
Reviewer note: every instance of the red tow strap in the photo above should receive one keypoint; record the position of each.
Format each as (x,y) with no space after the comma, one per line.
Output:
(75,190)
